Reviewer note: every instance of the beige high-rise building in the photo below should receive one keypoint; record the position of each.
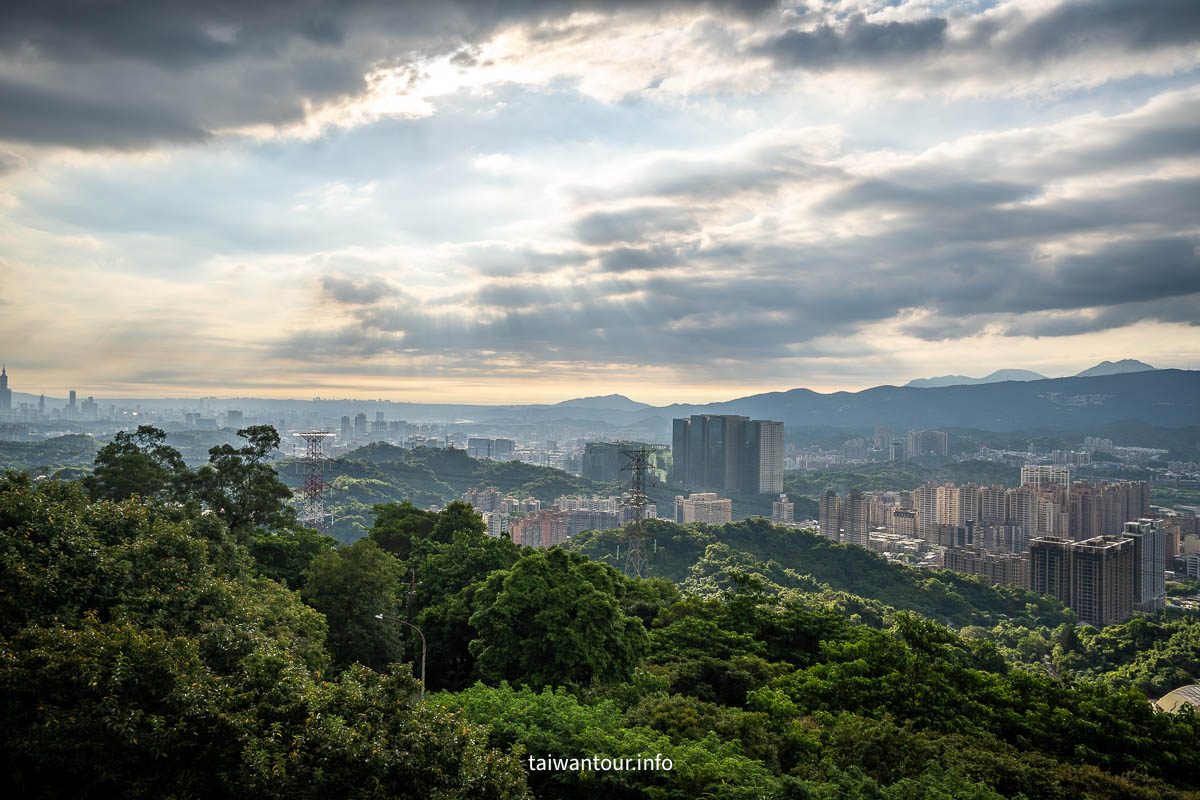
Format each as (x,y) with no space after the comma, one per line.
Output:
(856,519)
(991,503)
(925,498)
(1039,475)
(704,507)
(1010,569)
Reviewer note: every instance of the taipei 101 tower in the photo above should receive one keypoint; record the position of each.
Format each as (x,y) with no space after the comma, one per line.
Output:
(5,392)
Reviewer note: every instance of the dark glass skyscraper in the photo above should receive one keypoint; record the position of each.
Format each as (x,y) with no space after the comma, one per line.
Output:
(727,453)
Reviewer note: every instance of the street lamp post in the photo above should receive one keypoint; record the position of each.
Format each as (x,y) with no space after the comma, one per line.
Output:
(419,633)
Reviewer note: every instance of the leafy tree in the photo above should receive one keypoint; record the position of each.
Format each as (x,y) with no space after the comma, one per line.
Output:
(398,525)
(137,463)
(139,657)
(240,486)
(283,555)
(555,618)
(350,586)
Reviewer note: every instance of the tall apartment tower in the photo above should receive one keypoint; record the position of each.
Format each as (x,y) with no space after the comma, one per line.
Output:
(1102,580)
(830,515)
(1039,475)
(360,425)
(346,431)
(727,453)
(764,456)
(925,498)
(1050,561)
(856,526)
(992,504)
(1149,539)
(783,511)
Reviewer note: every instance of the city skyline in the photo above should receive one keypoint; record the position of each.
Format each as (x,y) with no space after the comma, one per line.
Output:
(483,203)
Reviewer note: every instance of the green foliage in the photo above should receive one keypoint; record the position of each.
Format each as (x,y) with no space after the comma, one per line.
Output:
(805,562)
(137,463)
(139,657)
(556,724)
(240,486)
(553,618)
(398,525)
(74,450)
(350,586)
(284,555)
(383,475)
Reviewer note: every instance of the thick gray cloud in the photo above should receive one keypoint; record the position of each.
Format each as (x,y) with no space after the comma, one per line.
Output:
(1136,25)
(1007,37)
(57,118)
(856,42)
(142,71)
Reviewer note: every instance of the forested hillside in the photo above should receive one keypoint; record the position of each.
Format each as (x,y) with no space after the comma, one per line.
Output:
(170,631)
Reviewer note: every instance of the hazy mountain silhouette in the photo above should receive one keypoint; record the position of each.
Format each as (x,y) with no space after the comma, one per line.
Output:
(962,380)
(1115,368)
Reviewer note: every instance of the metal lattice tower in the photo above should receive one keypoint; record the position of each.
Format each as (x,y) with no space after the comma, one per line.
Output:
(635,531)
(312,490)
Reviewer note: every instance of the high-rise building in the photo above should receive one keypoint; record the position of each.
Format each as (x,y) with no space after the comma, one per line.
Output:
(855,518)
(1039,475)
(703,507)
(544,529)
(233,418)
(71,404)
(1010,569)
(782,511)
(347,433)
(926,506)
(1050,561)
(727,453)
(882,438)
(764,456)
(904,522)
(845,519)
(991,503)
(1102,580)
(1095,577)
(928,443)
(5,392)
(360,425)
(479,447)
(1149,560)
(829,511)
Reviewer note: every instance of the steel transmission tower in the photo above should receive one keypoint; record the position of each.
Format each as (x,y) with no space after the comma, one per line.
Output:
(312,490)
(635,531)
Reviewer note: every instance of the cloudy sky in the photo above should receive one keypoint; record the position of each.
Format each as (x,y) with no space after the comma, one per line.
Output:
(510,200)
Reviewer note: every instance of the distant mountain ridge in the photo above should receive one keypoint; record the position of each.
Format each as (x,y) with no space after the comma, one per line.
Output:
(1165,397)
(1115,368)
(962,380)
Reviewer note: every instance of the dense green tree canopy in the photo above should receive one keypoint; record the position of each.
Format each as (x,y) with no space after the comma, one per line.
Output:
(240,486)
(138,463)
(553,618)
